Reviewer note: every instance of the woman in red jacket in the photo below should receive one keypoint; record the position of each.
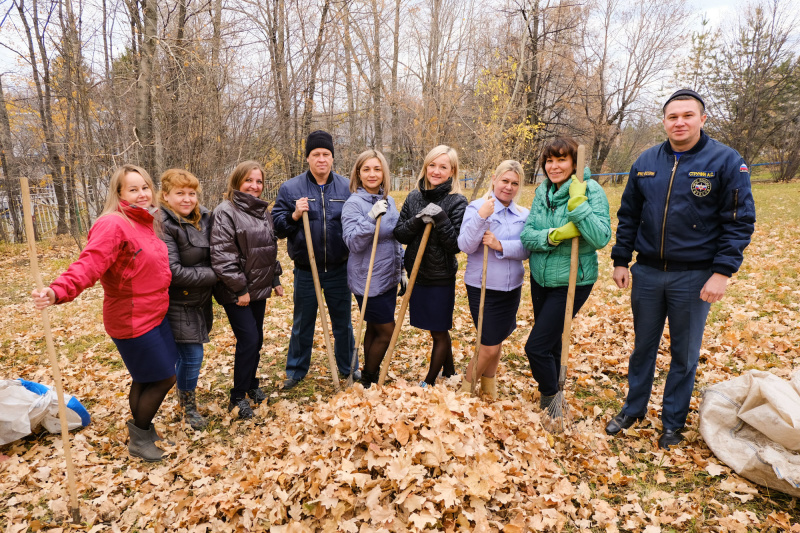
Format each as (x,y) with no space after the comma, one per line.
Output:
(130,260)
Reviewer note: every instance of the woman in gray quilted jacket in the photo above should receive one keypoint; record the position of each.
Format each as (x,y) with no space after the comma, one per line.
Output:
(186,228)
(370,184)
(244,255)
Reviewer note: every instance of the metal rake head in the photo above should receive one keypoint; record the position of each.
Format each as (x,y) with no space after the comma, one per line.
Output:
(558,417)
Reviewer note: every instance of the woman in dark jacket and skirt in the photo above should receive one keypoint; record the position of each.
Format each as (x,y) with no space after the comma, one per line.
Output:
(244,255)
(370,184)
(186,229)
(436,200)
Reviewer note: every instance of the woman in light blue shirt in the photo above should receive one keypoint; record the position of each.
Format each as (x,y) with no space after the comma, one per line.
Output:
(496,221)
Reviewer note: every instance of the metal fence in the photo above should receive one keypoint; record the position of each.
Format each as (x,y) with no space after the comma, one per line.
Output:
(44,208)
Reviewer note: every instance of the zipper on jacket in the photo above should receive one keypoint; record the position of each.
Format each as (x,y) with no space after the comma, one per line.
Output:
(666,208)
(735,202)
(324,233)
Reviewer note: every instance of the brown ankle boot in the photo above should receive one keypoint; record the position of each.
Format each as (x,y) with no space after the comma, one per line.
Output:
(489,387)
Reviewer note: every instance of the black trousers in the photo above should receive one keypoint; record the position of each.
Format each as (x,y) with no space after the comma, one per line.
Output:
(544,343)
(247,323)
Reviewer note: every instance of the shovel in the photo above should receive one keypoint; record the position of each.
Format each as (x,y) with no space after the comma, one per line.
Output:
(475,356)
(320,303)
(354,362)
(404,305)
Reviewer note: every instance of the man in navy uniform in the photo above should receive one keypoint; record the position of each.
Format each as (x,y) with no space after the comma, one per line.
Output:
(688,213)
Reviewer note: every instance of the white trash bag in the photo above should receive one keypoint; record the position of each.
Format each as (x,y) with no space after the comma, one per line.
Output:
(25,405)
(752,424)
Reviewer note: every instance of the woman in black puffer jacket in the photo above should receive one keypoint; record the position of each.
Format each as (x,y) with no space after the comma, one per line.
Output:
(244,255)
(186,228)
(436,200)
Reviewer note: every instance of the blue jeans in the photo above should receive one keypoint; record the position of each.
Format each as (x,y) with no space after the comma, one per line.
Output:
(338,300)
(655,297)
(190,359)
(247,323)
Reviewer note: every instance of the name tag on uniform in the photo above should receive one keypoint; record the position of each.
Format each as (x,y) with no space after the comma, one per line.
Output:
(645,174)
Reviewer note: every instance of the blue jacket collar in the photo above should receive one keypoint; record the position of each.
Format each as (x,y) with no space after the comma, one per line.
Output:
(694,149)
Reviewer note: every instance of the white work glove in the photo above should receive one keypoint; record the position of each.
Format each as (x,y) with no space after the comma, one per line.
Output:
(403,283)
(432,214)
(378,209)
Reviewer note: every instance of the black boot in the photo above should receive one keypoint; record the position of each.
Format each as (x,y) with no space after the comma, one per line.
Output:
(368,378)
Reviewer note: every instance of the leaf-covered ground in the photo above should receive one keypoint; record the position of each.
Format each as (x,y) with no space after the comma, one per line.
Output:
(401,458)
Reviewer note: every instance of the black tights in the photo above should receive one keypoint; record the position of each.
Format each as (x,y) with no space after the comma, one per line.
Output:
(376,341)
(146,398)
(441,357)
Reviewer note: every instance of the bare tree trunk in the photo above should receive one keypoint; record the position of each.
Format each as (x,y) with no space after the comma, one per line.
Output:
(43,99)
(377,79)
(395,97)
(144,87)
(348,75)
(276,30)
(308,106)
(10,167)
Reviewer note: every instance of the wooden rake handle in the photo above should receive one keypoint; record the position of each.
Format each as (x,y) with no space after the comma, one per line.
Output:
(323,316)
(404,305)
(573,277)
(51,351)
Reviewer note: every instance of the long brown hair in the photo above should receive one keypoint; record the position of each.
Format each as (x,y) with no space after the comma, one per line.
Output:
(175,178)
(239,174)
(355,175)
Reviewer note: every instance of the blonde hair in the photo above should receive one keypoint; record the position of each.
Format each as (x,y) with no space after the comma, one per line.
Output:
(239,174)
(506,166)
(175,178)
(112,204)
(363,157)
(442,149)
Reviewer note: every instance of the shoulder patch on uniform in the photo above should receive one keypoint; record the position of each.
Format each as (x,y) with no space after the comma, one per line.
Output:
(645,174)
(743,168)
(701,187)
(701,174)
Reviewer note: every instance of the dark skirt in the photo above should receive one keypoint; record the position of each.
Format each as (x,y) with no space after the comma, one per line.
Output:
(431,306)
(150,357)
(499,313)
(380,308)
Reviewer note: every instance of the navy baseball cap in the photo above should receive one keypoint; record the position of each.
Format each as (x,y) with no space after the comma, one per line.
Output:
(684,92)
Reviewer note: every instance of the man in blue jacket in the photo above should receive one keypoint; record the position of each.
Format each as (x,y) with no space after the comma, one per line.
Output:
(322,193)
(688,212)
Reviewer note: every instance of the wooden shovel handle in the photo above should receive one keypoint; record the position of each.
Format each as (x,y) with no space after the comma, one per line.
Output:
(366,297)
(404,305)
(476,355)
(320,303)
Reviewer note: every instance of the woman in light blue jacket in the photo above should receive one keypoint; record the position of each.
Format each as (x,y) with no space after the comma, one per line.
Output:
(370,182)
(496,221)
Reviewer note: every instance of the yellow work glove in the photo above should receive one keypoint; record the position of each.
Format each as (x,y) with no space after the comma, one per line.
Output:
(565,232)
(577,193)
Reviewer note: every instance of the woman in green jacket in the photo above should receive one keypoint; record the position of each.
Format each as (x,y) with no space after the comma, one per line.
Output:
(562,209)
